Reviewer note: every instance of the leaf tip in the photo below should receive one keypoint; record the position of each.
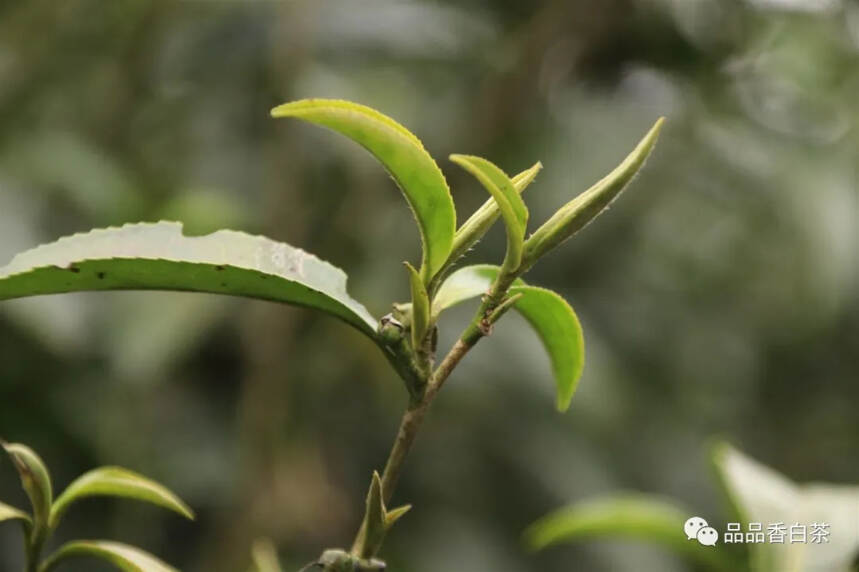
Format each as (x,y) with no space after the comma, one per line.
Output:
(392,516)
(562,403)
(650,139)
(187,512)
(283,110)
(458,158)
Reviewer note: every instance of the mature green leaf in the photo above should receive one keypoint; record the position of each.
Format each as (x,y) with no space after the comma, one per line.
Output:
(126,558)
(633,517)
(264,556)
(760,494)
(35,480)
(483,218)
(420,307)
(157,256)
(510,204)
(405,158)
(117,482)
(551,317)
(577,213)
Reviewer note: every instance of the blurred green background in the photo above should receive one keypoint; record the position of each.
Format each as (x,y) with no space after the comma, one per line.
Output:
(718,296)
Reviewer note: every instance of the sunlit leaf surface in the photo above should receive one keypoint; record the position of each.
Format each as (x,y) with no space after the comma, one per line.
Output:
(157,256)
(502,189)
(548,313)
(577,213)
(483,218)
(405,158)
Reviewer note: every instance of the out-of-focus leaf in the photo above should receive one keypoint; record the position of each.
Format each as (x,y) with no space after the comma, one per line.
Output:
(405,158)
(634,517)
(149,334)
(126,558)
(574,215)
(35,480)
(392,516)
(837,506)
(510,204)
(264,556)
(91,177)
(760,494)
(548,313)
(117,482)
(420,307)
(483,218)
(206,210)
(11,513)
(157,256)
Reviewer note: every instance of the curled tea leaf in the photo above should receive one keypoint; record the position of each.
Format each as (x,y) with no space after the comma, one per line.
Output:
(577,213)
(405,158)
(513,210)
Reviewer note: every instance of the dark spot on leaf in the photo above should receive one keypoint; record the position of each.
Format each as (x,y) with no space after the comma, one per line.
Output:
(219,267)
(74,269)
(100,275)
(223,284)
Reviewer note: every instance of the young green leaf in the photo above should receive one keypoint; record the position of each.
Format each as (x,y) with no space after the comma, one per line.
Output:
(157,256)
(392,516)
(11,513)
(466,283)
(510,204)
(374,527)
(561,333)
(483,218)
(377,522)
(35,480)
(551,317)
(264,556)
(760,494)
(8,513)
(573,216)
(634,517)
(125,558)
(420,308)
(117,482)
(405,158)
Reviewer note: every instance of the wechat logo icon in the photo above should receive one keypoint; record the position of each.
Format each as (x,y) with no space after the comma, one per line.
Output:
(696,528)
